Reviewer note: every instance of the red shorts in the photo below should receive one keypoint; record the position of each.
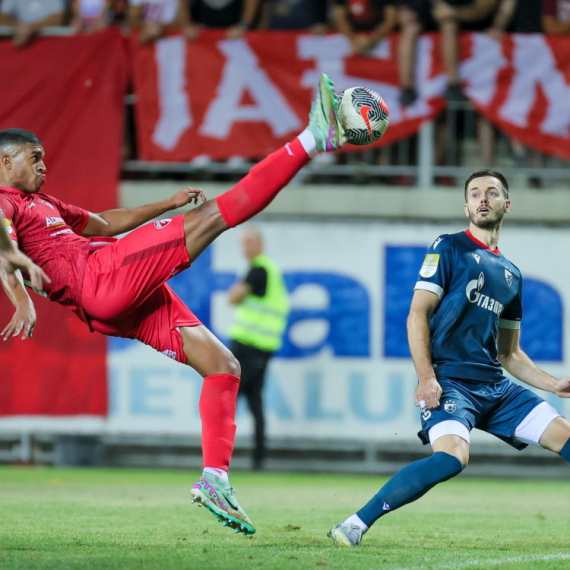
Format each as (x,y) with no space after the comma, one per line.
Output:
(125,293)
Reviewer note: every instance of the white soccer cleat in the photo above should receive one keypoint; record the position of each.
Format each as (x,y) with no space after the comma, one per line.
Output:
(346,534)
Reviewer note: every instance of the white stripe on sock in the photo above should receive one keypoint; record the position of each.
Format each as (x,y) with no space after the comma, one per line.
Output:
(307,140)
(355,519)
(221,473)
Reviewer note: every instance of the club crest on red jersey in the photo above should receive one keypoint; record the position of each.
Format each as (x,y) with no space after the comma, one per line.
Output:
(162,223)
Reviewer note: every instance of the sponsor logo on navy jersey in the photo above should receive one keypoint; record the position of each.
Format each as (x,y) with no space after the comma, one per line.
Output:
(508,277)
(473,292)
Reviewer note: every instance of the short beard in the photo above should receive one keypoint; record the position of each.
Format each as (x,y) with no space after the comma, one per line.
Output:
(486,224)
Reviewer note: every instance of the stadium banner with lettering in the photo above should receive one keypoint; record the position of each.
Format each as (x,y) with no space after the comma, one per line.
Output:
(247,97)
(76,107)
(344,370)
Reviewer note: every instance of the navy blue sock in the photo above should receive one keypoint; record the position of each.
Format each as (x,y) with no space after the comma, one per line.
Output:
(409,484)
(565,451)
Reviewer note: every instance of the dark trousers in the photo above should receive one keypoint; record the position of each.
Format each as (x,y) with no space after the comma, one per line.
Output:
(253,365)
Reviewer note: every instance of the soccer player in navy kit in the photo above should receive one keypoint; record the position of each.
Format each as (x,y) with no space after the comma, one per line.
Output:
(463,328)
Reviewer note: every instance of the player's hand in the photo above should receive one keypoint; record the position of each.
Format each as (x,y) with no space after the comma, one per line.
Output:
(187,195)
(428,391)
(562,388)
(13,260)
(23,321)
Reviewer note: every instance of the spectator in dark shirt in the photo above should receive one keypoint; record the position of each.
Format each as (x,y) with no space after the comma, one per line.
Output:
(364,22)
(236,16)
(556,16)
(295,15)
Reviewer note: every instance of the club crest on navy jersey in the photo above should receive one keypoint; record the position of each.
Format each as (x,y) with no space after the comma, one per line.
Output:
(450,406)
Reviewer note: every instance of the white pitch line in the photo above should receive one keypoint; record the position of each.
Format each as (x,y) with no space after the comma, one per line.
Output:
(486,563)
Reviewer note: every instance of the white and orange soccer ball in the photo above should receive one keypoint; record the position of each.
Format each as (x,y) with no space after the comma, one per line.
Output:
(363,114)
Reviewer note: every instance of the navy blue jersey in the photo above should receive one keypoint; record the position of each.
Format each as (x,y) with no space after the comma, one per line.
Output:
(480,291)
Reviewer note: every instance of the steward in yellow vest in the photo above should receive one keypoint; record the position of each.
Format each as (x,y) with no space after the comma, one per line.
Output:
(260,321)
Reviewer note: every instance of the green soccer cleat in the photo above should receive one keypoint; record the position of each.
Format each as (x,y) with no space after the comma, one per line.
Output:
(347,535)
(324,122)
(219,498)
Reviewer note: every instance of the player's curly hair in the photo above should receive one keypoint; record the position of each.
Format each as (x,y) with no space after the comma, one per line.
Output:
(17,137)
(480,173)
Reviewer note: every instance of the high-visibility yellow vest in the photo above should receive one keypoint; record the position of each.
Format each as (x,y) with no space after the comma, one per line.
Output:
(260,321)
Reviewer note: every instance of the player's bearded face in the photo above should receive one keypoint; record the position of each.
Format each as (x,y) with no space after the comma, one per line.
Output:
(486,203)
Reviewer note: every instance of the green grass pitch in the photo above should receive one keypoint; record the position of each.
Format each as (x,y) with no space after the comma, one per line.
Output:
(130,519)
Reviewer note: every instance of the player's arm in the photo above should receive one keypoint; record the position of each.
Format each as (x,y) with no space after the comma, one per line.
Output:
(424,304)
(515,361)
(114,222)
(12,259)
(24,319)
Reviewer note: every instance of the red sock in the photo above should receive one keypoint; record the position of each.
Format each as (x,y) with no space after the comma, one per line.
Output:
(255,191)
(217,411)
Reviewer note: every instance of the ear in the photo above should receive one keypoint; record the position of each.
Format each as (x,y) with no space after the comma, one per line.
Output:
(6,161)
(466,210)
(507,206)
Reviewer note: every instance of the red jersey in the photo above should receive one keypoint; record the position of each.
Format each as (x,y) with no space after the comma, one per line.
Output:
(46,230)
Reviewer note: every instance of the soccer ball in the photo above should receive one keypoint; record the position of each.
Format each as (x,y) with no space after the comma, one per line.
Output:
(363,114)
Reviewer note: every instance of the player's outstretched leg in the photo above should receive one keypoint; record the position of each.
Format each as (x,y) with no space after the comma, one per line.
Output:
(256,190)
(408,485)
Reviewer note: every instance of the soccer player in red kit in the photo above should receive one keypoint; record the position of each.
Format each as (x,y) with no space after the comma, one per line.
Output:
(117,286)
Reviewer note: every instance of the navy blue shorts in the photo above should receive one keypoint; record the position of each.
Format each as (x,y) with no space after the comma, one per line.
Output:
(497,409)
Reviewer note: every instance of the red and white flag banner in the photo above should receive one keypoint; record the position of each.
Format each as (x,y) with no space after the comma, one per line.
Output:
(247,97)
(69,91)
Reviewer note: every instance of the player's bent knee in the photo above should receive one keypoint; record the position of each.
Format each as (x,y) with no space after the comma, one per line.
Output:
(543,426)
(451,437)
(207,218)
(233,365)
(556,434)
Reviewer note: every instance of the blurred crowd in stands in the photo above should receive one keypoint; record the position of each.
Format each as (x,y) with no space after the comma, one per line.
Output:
(364,22)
